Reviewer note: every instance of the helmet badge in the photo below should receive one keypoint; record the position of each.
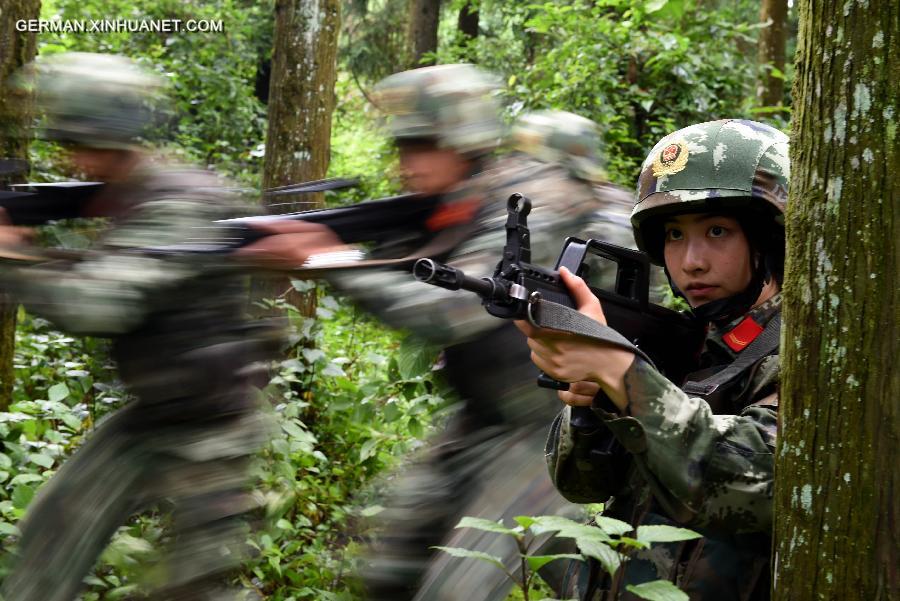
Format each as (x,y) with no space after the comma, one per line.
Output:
(671,159)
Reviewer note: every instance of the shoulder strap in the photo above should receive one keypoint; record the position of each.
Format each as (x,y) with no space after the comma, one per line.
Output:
(762,346)
(547,314)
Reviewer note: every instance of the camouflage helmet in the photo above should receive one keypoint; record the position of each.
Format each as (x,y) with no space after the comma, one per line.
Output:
(564,138)
(726,165)
(453,105)
(95,100)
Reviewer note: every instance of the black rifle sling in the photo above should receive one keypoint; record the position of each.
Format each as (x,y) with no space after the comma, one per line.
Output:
(547,314)
(762,346)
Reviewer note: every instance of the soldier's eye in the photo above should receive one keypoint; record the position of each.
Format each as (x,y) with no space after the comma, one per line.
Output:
(673,234)
(717,231)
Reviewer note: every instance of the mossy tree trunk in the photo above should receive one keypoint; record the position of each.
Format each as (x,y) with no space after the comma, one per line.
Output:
(424,17)
(16,49)
(771,50)
(837,495)
(301,103)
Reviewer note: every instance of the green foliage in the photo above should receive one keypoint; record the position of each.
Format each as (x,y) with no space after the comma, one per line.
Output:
(604,541)
(216,117)
(639,69)
(349,398)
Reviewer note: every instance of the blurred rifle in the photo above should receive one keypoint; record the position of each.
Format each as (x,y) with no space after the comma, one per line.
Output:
(521,290)
(411,218)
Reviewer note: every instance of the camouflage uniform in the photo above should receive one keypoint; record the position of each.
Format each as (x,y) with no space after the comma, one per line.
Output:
(185,353)
(487,461)
(702,461)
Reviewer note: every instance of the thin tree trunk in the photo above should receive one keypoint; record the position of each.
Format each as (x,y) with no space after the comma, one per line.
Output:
(16,49)
(424,17)
(771,49)
(467,22)
(301,103)
(837,509)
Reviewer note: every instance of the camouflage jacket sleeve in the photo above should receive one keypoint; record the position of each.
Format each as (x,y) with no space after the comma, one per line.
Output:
(111,289)
(449,317)
(704,469)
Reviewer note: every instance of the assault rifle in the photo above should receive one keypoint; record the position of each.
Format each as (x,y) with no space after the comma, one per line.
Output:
(32,204)
(517,285)
(408,219)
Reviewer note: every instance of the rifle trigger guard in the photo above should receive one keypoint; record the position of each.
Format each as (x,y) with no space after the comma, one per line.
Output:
(533,300)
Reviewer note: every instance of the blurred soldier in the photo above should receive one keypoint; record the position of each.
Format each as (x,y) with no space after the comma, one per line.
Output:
(710,208)
(488,462)
(183,350)
(572,141)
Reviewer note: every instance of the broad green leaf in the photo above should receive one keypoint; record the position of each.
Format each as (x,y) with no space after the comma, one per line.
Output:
(567,528)
(524,521)
(465,553)
(9,529)
(312,354)
(536,562)
(5,461)
(486,525)
(22,496)
(368,449)
(58,392)
(612,526)
(298,433)
(606,555)
(371,511)
(333,369)
(664,534)
(651,6)
(72,421)
(303,285)
(658,590)
(630,542)
(26,479)
(45,461)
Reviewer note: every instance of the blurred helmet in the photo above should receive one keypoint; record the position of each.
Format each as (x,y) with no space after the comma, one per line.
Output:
(732,167)
(454,106)
(563,138)
(95,100)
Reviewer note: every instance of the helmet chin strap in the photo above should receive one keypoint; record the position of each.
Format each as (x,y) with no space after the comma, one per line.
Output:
(726,309)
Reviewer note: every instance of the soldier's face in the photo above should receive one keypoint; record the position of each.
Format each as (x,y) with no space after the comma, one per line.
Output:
(708,256)
(103,164)
(430,170)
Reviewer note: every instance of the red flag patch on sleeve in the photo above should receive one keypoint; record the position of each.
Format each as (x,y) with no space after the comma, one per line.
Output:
(743,334)
(455,213)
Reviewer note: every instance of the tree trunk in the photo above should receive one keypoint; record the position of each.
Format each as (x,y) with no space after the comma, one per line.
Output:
(837,515)
(424,16)
(301,102)
(467,21)
(16,49)
(770,49)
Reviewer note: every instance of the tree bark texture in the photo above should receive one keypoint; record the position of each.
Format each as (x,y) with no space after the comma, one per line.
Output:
(771,50)
(16,49)
(837,494)
(467,22)
(424,16)
(301,103)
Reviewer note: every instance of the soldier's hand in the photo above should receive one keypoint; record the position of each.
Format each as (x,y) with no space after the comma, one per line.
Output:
(13,235)
(290,244)
(571,358)
(579,394)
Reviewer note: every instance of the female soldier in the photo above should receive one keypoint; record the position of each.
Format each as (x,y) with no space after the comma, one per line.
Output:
(710,208)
